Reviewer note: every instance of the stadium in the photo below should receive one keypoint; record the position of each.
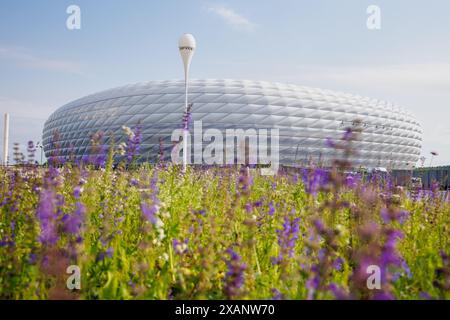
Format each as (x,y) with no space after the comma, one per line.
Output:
(307,119)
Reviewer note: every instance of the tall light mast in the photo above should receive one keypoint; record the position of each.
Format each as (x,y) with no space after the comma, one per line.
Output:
(186,45)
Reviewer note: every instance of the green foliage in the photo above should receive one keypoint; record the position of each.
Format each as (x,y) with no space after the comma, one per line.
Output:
(123,254)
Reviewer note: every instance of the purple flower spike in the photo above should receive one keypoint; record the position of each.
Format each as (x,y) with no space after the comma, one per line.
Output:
(330,143)
(314,180)
(77,192)
(46,214)
(337,264)
(271,209)
(149,212)
(234,278)
(72,223)
(287,238)
(134,143)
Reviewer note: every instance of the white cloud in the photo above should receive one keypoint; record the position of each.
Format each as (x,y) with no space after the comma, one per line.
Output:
(23,109)
(433,75)
(22,58)
(232,18)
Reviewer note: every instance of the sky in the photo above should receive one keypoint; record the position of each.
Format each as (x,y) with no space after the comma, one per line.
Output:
(321,43)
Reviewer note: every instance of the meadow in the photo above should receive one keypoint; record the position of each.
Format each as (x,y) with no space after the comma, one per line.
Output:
(142,231)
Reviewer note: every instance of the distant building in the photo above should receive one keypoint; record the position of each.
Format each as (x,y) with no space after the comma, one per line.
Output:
(439,175)
(306,118)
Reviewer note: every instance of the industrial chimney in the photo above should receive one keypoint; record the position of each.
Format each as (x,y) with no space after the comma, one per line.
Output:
(5,139)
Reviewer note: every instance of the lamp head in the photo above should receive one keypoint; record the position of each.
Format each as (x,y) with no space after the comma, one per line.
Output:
(187,40)
(187,45)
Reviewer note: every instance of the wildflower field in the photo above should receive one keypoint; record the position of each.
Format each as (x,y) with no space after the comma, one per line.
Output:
(152,232)
(141,231)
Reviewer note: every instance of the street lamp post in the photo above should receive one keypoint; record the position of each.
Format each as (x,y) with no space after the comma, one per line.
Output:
(433,154)
(186,45)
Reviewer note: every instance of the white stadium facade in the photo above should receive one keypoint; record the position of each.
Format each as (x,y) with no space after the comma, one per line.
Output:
(305,117)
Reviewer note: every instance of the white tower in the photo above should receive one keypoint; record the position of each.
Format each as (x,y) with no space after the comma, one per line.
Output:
(5,139)
(187,45)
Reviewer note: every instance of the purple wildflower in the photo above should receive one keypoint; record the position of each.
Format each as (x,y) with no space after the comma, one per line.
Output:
(351,180)
(6,243)
(406,268)
(257,204)
(326,239)
(271,209)
(276,294)
(330,143)
(45,213)
(59,204)
(383,295)
(406,271)
(337,263)
(425,295)
(394,215)
(98,150)
(320,227)
(180,247)
(389,255)
(73,222)
(105,254)
(314,179)
(134,143)
(201,212)
(234,278)
(149,212)
(338,292)
(348,134)
(245,180)
(287,237)
(313,283)
(77,192)
(187,117)
(32,258)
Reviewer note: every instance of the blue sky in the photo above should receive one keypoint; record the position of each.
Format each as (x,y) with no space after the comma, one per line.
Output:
(321,43)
